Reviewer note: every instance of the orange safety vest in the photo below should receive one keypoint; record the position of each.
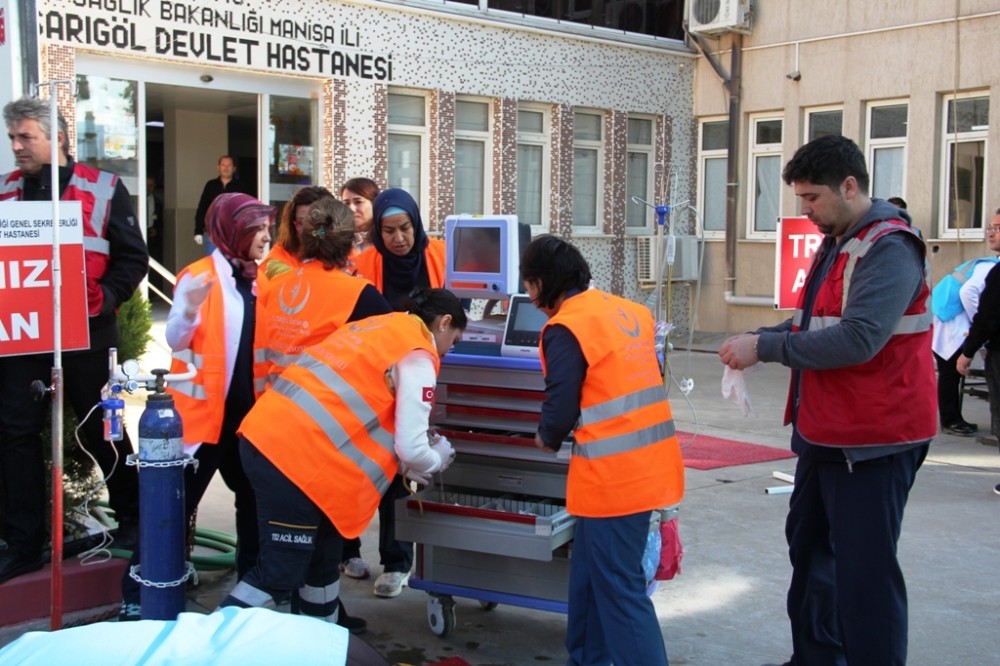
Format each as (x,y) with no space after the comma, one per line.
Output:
(299,308)
(328,423)
(369,264)
(626,458)
(94,189)
(889,399)
(200,401)
(277,261)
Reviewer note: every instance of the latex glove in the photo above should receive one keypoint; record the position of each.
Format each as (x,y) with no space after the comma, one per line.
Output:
(423,478)
(443,448)
(734,388)
(197,291)
(199,239)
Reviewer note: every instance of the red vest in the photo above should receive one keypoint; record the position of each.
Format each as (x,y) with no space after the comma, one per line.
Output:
(200,401)
(329,421)
(626,458)
(94,189)
(889,399)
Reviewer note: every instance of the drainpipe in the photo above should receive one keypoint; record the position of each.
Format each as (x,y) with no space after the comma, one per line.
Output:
(732,82)
(28,29)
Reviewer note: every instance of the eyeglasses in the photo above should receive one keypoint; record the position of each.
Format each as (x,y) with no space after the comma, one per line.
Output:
(992,229)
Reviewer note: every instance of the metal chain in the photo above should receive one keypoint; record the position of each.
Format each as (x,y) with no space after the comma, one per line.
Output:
(132,460)
(133,573)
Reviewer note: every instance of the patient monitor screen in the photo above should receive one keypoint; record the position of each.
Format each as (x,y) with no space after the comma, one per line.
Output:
(477,249)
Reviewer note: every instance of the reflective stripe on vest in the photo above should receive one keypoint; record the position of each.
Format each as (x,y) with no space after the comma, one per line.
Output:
(609,446)
(103,189)
(187,386)
(334,431)
(915,323)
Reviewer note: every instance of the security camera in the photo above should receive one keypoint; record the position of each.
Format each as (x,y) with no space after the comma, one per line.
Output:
(794,76)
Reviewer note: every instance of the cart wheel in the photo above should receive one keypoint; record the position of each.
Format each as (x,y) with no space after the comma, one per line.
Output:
(487,605)
(441,615)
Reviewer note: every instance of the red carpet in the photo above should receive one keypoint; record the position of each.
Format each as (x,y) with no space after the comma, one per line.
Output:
(707,452)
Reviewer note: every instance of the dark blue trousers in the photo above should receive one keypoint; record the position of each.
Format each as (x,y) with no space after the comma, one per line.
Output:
(847,598)
(610,617)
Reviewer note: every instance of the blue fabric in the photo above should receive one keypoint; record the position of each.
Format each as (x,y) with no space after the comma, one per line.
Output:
(945,301)
(610,617)
(228,637)
(842,529)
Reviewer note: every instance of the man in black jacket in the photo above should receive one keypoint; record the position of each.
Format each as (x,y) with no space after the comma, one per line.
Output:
(116,261)
(226,182)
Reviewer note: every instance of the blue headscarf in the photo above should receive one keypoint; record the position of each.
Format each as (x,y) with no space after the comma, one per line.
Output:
(400,275)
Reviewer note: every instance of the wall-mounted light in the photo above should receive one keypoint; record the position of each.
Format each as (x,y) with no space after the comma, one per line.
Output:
(206,78)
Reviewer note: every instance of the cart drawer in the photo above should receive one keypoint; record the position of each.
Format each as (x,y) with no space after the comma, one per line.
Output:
(514,525)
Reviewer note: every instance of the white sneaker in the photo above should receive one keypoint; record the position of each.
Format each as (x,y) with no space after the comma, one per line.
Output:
(391,583)
(355,568)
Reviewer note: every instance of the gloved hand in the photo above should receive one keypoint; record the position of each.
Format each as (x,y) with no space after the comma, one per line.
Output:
(199,239)
(423,478)
(443,448)
(197,292)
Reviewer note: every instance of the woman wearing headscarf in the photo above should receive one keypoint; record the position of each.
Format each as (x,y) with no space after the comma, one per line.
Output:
(322,445)
(402,257)
(359,194)
(211,325)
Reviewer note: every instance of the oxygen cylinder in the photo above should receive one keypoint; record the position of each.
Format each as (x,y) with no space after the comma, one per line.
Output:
(162,524)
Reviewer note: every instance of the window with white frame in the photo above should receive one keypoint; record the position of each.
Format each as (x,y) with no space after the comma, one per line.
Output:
(887,122)
(407,143)
(824,122)
(473,172)
(588,172)
(966,128)
(639,174)
(764,205)
(533,156)
(713,155)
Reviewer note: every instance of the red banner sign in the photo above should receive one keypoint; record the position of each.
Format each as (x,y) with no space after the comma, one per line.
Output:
(27,283)
(798,241)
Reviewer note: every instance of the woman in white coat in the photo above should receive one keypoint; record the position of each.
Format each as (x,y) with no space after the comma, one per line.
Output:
(211,324)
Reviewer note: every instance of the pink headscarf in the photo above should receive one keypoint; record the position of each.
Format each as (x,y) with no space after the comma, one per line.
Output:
(233,220)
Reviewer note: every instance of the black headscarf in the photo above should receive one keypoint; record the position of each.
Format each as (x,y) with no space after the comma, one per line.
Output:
(400,275)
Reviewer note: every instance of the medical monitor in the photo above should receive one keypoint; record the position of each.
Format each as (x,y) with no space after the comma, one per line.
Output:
(483,255)
(523,332)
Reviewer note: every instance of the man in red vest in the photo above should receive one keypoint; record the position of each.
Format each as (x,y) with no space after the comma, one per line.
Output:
(863,406)
(116,261)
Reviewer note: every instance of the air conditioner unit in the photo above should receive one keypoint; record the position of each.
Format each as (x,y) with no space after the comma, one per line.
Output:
(686,259)
(712,17)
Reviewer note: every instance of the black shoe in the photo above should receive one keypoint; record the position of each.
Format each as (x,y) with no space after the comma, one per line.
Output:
(962,429)
(355,625)
(14,563)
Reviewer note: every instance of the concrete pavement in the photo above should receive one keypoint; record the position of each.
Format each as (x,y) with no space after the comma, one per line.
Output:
(727,605)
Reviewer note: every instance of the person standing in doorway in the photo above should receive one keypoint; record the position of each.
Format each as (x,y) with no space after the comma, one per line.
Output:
(227,181)
(116,260)
(863,409)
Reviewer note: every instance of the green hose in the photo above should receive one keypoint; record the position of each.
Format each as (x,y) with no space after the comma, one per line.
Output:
(222,542)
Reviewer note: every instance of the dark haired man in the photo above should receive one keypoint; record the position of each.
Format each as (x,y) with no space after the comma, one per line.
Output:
(863,407)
